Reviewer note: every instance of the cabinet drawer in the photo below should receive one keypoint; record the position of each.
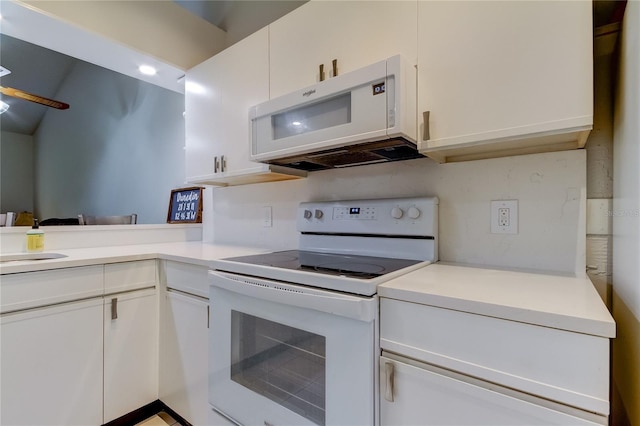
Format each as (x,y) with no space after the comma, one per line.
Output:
(31,289)
(129,276)
(425,396)
(185,277)
(567,367)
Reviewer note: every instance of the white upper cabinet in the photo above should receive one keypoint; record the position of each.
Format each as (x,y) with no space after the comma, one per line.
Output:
(219,93)
(503,78)
(355,33)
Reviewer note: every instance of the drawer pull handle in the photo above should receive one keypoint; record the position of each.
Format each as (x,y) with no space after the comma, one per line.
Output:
(425,132)
(114,308)
(321,71)
(388,373)
(334,65)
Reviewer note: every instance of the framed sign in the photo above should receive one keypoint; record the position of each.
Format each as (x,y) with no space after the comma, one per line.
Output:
(185,205)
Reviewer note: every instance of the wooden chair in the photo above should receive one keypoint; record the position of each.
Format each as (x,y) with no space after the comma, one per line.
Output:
(131,219)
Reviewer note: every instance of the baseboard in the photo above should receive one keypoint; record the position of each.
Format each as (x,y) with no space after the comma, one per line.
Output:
(143,413)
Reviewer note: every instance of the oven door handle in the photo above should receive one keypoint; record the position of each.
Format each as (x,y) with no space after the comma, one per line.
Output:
(356,307)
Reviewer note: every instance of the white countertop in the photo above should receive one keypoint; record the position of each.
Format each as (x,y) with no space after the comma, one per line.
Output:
(563,302)
(195,252)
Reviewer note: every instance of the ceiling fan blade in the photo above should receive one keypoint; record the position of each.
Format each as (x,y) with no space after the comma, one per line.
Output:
(33,98)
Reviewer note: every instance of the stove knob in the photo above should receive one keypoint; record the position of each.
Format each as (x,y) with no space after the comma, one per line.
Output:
(318,214)
(413,213)
(396,212)
(307,214)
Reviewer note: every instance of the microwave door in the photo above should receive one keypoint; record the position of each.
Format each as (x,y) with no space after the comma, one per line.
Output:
(335,113)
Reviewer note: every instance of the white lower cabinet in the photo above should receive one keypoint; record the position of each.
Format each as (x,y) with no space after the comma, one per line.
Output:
(184,350)
(51,365)
(130,352)
(446,367)
(424,395)
(67,357)
(184,362)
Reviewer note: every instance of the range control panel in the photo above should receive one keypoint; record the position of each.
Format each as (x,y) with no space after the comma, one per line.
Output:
(389,216)
(354,213)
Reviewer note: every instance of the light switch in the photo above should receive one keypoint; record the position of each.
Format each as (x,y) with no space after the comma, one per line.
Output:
(267,218)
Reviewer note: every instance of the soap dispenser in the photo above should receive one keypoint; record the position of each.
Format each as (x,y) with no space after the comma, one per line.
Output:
(35,238)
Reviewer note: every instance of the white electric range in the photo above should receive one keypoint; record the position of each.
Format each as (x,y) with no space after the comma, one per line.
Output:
(293,333)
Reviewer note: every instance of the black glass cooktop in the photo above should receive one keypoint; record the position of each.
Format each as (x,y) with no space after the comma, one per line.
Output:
(353,266)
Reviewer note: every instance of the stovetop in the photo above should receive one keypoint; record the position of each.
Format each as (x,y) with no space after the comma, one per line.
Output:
(350,246)
(343,265)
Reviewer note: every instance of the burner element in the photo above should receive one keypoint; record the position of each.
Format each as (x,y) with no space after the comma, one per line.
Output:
(352,267)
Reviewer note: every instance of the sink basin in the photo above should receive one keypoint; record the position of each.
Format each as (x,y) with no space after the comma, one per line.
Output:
(10,257)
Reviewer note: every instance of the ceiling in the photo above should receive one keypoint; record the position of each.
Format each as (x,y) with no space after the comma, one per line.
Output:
(28,62)
(238,18)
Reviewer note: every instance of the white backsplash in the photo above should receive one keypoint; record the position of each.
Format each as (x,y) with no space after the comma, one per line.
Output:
(550,188)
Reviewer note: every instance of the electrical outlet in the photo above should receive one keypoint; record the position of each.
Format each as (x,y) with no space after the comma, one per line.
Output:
(504,217)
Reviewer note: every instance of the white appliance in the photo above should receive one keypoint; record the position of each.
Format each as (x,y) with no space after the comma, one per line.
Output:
(293,336)
(362,117)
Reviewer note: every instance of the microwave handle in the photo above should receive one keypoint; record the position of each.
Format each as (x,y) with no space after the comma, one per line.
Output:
(425,129)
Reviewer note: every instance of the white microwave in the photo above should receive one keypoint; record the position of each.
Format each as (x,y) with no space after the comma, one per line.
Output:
(362,117)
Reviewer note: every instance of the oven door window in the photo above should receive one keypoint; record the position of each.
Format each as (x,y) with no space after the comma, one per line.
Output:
(282,363)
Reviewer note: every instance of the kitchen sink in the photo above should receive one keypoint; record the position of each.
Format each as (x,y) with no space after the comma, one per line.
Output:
(10,257)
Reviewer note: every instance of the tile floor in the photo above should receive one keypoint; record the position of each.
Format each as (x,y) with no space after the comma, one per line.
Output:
(160,419)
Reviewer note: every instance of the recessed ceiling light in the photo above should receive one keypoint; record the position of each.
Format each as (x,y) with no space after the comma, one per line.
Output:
(147,70)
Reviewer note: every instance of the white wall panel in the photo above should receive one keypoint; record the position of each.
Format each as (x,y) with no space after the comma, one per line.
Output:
(550,188)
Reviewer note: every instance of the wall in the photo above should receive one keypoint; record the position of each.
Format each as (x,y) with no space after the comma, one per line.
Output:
(550,188)
(120,144)
(626,225)
(161,29)
(16,161)
(599,149)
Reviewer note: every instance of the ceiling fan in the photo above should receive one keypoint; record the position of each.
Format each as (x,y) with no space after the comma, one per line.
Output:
(9,91)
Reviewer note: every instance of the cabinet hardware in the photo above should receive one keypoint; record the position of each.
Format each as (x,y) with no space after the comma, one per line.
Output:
(114,308)
(208,315)
(224,415)
(321,72)
(425,131)
(388,373)
(334,65)
(216,164)
(223,163)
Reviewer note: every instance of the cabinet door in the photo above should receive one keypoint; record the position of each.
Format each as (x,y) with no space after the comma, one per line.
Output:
(51,365)
(130,352)
(425,397)
(492,72)
(184,356)
(356,33)
(218,95)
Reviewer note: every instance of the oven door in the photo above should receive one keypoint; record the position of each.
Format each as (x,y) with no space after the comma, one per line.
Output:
(282,354)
